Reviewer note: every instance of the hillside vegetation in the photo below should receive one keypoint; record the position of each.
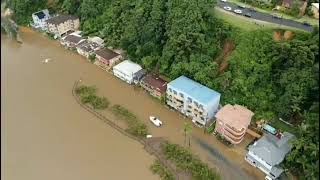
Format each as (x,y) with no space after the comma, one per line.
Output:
(275,79)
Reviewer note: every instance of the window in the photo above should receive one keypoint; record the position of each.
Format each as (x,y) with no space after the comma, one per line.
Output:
(170,90)
(174,92)
(195,103)
(181,95)
(189,100)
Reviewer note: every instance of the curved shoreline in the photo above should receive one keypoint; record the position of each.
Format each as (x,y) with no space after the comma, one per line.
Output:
(148,144)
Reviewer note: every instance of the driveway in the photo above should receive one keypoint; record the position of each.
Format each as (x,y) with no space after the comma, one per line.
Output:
(266,17)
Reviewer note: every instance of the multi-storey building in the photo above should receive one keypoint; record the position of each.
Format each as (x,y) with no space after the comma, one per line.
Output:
(192,99)
(62,24)
(232,122)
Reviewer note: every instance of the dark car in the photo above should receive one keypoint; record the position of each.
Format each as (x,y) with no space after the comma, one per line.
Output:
(247,14)
(241,6)
(306,23)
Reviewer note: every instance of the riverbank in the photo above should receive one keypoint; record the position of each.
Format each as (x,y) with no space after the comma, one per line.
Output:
(207,147)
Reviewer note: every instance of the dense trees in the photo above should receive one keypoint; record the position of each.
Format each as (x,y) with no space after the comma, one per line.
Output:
(23,9)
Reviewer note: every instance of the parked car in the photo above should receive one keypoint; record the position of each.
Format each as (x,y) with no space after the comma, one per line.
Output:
(155,121)
(252,9)
(237,11)
(306,23)
(223,0)
(241,6)
(227,8)
(276,16)
(247,14)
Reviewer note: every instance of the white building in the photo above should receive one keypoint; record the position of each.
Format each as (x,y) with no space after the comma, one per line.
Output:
(128,71)
(39,19)
(192,99)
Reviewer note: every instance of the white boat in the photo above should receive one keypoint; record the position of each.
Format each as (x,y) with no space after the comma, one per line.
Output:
(155,121)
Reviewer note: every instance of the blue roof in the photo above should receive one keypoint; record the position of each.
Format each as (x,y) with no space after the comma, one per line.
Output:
(197,91)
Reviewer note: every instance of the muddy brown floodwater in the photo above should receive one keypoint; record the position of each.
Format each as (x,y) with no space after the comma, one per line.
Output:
(47,135)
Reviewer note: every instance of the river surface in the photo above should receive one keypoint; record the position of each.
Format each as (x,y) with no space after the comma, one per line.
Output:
(47,135)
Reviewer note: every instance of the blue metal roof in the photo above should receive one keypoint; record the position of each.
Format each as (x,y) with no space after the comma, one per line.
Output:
(197,91)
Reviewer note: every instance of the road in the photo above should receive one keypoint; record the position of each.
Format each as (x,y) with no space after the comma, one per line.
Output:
(266,17)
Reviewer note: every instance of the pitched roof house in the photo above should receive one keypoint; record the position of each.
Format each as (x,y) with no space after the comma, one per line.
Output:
(39,19)
(268,152)
(154,84)
(232,122)
(289,4)
(106,58)
(71,40)
(61,24)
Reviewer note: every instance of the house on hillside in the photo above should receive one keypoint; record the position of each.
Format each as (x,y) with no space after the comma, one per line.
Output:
(62,24)
(268,152)
(192,99)
(86,48)
(71,40)
(154,84)
(106,58)
(288,4)
(232,122)
(97,40)
(315,10)
(129,71)
(39,19)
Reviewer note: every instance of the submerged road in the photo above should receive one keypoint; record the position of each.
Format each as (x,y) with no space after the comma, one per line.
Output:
(266,17)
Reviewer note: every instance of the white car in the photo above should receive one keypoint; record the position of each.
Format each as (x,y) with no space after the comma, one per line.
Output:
(155,121)
(223,0)
(237,11)
(228,8)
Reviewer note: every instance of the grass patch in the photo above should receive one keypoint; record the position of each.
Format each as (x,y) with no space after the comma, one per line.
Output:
(210,128)
(162,171)
(135,126)
(283,126)
(88,95)
(189,163)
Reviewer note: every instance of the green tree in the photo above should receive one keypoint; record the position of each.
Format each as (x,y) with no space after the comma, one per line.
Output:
(187,130)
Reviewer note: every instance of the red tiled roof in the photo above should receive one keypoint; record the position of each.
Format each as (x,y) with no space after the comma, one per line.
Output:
(156,82)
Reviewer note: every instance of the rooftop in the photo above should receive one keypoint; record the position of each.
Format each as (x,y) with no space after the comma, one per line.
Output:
(87,46)
(196,90)
(106,53)
(128,67)
(271,149)
(236,116)
(316,5)
(156,82)
(61,19)
(73,38)
(96,39)
(41,14)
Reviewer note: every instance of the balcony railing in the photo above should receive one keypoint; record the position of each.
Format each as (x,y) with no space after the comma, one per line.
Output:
(231,135)
(232,140)
(235,131)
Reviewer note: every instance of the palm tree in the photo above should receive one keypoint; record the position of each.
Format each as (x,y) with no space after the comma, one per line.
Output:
(187,129)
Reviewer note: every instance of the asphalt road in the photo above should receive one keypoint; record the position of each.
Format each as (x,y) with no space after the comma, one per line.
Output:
(266,17)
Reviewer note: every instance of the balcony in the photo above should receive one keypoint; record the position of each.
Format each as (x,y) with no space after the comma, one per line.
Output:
(232,139)
(235,131)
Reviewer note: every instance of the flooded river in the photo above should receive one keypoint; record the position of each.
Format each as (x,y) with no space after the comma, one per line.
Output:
(47,135)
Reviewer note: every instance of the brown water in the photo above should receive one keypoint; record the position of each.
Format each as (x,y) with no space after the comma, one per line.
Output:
(45,134)
(48,135)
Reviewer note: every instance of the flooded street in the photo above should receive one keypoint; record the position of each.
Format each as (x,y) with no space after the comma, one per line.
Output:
(47,135)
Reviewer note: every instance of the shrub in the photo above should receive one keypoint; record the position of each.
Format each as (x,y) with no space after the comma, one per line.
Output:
(162,171)
(187,162)
(85,90)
